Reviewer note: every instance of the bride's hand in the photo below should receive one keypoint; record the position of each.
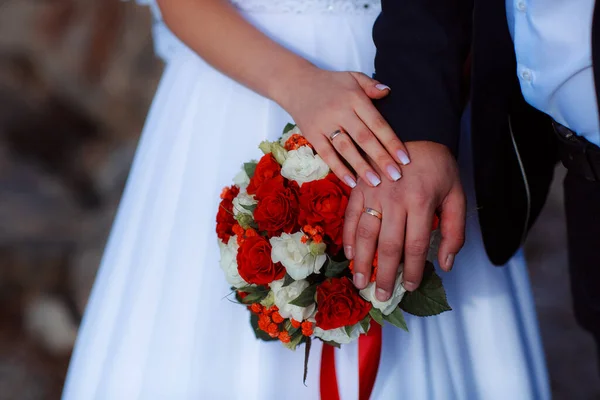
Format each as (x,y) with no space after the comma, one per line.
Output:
(324,103)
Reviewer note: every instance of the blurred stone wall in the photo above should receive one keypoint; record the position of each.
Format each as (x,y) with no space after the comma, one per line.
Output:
(76,80)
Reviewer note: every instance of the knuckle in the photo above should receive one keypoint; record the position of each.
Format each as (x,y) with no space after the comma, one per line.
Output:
(382,159)
(417,247)
(362,136)
(385,282)
(397,193)
(389,248)
(365,233)
(344,144)
(395,143)
(420,199)
(379,123)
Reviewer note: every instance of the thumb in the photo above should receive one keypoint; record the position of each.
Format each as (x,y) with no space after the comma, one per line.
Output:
(372,88)
(452,226)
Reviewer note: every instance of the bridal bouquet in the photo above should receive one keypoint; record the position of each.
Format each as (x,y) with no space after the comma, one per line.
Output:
(280,234)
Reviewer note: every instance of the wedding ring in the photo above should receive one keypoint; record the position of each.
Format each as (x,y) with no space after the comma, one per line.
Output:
(373,212)
(335,134)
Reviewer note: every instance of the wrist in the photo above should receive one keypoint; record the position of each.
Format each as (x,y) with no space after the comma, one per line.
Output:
(284,84)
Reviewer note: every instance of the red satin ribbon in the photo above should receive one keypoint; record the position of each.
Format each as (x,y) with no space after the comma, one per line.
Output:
(369,354)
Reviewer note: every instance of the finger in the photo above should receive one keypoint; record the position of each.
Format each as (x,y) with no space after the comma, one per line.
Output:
(326,151)
(367,112)
(416,245)
(366,245)
(452,226)
(389,251)
(367,141)
(353,213)
(372,88)
(346,148)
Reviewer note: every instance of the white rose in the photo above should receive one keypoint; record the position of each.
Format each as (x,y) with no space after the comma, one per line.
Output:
(283,296)
(243,199)
(295,256)
(386,307)
(229,263)
(242,179)
(302,166)
(338,335)
(286,136)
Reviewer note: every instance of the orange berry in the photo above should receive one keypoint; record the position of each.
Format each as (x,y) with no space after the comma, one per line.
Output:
(251,232)
(276,317)
(295,324)
(284,336)
(307,328)
(304,239)
(273,330)
(263,322)
(256,308)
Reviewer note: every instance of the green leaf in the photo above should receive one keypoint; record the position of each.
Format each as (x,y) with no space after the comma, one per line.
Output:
(365,324)
(376,315)
(349,330)
(288,128)
(287,280)
(250,167)
(334,269)
(253,289)
(334,344)
(259,333)
(255,297)
(396,318)
(306,298)
(295,341)
(250,207)
(429,299)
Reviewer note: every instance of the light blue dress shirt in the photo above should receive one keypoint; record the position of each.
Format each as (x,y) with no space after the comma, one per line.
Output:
(553,43)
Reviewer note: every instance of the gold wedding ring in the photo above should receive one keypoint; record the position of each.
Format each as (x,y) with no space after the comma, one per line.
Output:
(373,212)
(335,134)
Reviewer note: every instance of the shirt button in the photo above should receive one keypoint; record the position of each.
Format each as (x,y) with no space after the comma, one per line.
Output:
(526,75)
(521,6)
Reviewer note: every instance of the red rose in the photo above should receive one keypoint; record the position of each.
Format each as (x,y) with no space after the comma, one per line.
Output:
(339,304)
(323,203)
(266,168)
(254,262)
(277,207)
(225,218)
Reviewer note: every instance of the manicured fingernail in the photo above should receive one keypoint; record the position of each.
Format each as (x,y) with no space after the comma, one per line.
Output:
(382,295)
(350,181)
(403,157)
(394,172)
(381,86)
(410,286)
(349,252)
(449,261)
(359,280)
(375,181)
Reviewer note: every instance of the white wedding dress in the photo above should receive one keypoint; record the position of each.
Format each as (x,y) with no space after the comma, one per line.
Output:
(158,326)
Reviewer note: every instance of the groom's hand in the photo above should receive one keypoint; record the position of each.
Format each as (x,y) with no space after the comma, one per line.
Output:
(430,184)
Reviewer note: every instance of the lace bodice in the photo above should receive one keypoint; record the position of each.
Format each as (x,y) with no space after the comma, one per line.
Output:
(309,6)
(298,6)
(166,42)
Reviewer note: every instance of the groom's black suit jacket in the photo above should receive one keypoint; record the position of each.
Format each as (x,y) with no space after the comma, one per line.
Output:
(422,49)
